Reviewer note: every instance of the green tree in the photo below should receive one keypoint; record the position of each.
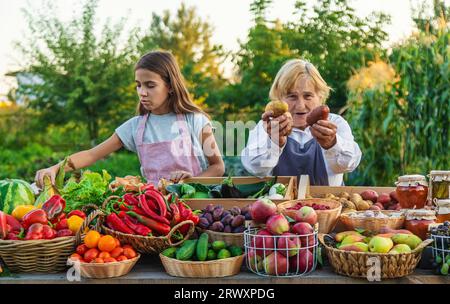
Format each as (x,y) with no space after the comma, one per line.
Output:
(70,75)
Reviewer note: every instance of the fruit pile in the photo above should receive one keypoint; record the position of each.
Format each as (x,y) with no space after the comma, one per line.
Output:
(314,206)
(393,242)
(202,250)
(27,222)
(366,200)
(281,247)
(216,218)
(375,214)
(441,248)
(101,249)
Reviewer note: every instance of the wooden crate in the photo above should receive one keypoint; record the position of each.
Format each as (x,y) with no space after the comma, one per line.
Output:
(289,181)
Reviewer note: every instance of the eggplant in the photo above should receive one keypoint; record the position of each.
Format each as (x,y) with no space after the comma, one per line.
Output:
(228,189)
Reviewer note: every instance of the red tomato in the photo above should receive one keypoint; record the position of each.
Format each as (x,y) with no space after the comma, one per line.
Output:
(91,255)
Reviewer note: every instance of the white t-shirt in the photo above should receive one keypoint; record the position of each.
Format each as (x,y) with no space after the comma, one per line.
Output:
(159,128)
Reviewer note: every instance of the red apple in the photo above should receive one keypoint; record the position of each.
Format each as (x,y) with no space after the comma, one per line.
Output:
(304,260)
(254,261)
(277,224)
(276,264)
(306,214)
(263,243)
(288,244)
(304,229)
(262,209)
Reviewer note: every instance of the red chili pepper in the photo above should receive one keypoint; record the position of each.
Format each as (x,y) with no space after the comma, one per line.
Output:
(62,225)
(34,216)
(133,224)
(159,200)
(64,232)
(3,227)
(54,206)
(48,232)
(77,213)
(151,202)
(130,199)
(194,218)
(149,212)
(176,216)
(159,227)
(115,223)
(13,223)
(35,232)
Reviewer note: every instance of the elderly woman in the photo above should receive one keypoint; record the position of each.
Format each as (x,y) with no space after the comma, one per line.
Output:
(287,146)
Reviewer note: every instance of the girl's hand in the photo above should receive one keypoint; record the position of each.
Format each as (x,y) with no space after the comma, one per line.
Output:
(283,124)
(325,133)
(39,178)
(176,176)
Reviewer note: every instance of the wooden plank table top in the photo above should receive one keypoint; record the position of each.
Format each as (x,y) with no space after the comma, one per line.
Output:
(149,270)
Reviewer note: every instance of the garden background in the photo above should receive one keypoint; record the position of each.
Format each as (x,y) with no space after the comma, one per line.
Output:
(76,86)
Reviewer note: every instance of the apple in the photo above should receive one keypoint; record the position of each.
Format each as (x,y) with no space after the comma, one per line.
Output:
(288,244)
(306,214)
(304,260)
(262,209)
(304,229)
(254,261)
(277,224)
(276,264)
(263,243)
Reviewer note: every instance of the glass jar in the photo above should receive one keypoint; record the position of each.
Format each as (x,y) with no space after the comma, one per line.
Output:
(412,191)
(418,220)
(440,185)
(443,210)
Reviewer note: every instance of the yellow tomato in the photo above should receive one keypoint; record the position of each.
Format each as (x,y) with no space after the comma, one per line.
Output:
(21,210)
(74,223)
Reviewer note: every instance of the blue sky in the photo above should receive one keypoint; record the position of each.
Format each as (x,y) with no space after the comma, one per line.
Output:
(231,19)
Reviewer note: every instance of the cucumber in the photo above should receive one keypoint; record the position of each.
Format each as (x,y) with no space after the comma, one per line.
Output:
(170,252)
(211,255)
(187,250)
(202,247)
(218,245)
(223,254)
(235,250)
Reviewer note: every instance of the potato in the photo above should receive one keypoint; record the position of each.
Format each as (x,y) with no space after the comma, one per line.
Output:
(330,196)
(347,210)
(277,107)
(355,197)
(344,195)
(319,113)
(362,205)
(347,204)
(370,195)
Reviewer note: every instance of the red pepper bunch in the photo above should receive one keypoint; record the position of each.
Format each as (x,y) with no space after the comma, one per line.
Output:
(147,213)
(46,223)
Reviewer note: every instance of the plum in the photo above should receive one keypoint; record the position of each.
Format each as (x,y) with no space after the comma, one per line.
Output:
(225,213)
(203,222)
(245,209)
(209,208)
(217,213)
(238,221)
(248,216)
(209,217)
(235,211)
(239,229)
(217,226)
(227,219)
(227,229)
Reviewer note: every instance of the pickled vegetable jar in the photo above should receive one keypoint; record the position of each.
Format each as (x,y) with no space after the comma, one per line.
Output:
(412,191)
(440,184)
(418,220)
(443,210)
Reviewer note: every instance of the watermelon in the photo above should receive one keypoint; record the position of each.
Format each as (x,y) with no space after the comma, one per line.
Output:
(15,192)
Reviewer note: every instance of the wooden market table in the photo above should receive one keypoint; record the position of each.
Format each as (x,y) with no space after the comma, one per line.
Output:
(149,270)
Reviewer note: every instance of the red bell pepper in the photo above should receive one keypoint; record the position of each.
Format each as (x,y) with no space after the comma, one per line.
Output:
(35,232)
(62,225)
(54,206)
(48,232)
(3,225)
(144,204)
(34,216)
(115,223)
(159,227)
(64,232)
(13,223)
(58,219)
(77,213)
(159,200)
(13,236)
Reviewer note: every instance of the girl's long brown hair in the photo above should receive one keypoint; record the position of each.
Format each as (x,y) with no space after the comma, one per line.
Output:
(164,64)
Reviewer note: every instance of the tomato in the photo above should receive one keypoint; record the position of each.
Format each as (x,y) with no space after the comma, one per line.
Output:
(104,255)
(98,260)
(129,253)
(106,243)
(121,258)
(81,249)
(110,260)
(91,255)
(118,251)
(127,246)
(91,239)
(76,256)
(117,242)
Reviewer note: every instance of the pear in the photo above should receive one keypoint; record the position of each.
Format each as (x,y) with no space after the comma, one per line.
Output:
(341,235)
(380,244)
(352,239)
(358,246)
(400,248)
(408,239)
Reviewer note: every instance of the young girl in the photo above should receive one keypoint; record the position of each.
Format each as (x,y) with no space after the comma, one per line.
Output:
(323,151)
(171,135)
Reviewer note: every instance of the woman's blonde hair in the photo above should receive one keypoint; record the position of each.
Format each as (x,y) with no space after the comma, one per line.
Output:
(164,64)
(291,72)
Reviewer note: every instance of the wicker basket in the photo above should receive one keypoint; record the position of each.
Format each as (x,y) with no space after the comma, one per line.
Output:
(235,239)
(147,244)
(356,265)
(105,270)
(208,269)
(47,256)
(327,219)
(371,223)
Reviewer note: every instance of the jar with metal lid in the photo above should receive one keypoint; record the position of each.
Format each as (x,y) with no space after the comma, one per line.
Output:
(443,210)
(412,191)
(418,220)
(439,185)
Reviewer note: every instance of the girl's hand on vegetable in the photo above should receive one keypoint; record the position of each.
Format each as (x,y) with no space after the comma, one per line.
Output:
(282,124)
(39,178)
(325,133)
(176,176)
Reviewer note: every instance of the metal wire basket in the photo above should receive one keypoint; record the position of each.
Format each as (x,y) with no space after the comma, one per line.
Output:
(441,247)
(288,255)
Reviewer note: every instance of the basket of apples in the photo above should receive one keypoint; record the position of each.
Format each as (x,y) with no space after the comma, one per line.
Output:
(276,245)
